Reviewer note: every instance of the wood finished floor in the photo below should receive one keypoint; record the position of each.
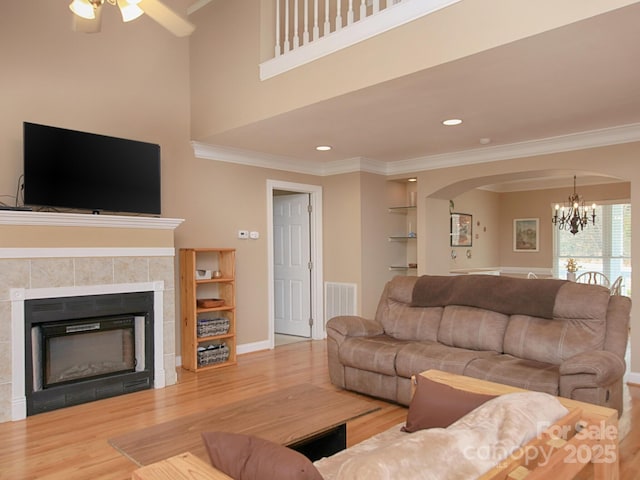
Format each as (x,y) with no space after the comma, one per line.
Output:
(72,443)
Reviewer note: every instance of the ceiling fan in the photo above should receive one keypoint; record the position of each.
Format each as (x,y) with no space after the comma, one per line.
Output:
(88,15)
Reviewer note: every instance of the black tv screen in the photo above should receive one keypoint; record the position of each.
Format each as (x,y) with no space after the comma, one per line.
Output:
(79,170)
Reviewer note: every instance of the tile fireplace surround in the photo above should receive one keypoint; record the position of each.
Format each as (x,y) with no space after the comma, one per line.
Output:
(45,255)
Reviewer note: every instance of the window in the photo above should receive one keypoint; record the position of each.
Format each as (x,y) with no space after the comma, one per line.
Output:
(604,247)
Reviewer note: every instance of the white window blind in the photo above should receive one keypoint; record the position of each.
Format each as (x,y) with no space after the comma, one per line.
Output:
(604,247)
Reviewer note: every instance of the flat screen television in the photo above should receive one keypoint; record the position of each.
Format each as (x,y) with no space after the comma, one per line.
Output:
(86,171)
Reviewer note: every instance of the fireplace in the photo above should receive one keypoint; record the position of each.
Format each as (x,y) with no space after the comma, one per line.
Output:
(84,348)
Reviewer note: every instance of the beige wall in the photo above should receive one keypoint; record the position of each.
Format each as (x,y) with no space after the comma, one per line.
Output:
(138,81)
(14,236)
(618,161)
(222,198)
(130,80)
(342,229)
(538,204)
(226,50)
(375,250)
(485,251)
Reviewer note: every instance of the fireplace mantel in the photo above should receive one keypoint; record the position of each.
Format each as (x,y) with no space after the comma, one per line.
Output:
(55,219)
(69,254)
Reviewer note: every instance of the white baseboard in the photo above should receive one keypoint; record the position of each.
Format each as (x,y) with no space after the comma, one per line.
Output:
(253,347)
(632,377)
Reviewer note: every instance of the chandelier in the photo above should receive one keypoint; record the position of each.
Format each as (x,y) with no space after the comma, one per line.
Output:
(574,214)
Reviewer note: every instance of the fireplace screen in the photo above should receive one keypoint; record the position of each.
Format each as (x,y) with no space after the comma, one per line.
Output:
(82,350)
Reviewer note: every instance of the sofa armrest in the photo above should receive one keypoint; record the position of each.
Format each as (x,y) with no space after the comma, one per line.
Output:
(354,326)
(605,366)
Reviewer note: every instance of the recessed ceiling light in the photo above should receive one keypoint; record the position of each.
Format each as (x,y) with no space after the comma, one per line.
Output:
(323,148)
(452,121)
(412,179)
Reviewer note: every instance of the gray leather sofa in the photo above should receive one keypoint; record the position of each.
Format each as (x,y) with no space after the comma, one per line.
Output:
(546,335)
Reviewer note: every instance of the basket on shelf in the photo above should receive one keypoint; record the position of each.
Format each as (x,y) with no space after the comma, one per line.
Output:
(209,327)
(212,354)
(209,302)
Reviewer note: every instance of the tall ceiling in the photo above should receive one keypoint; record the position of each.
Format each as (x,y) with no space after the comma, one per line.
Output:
(581,77)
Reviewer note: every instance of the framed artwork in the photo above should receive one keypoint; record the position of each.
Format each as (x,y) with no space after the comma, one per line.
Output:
(525,234)
(461,230)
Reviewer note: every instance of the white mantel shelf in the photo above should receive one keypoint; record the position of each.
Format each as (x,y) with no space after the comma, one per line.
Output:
(55,219)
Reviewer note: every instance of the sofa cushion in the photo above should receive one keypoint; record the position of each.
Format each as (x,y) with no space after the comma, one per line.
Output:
(404,322)
(399,319)
(245,457)
(527,374)
(553,341)
(436,404)
(581,300)
(400,288)
(375,354)
(472,328)
(417,357)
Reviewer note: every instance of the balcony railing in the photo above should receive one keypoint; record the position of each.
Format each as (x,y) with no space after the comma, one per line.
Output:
(306,30)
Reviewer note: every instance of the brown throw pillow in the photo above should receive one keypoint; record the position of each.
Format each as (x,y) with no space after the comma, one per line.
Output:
(245,457)
(435,404)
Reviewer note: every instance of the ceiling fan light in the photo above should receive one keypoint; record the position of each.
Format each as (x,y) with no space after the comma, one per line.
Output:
(129,10)
(83,8)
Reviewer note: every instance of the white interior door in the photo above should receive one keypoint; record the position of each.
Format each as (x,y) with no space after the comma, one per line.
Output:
(292,273)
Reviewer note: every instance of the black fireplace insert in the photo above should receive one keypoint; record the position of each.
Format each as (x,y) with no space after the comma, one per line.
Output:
(81,349)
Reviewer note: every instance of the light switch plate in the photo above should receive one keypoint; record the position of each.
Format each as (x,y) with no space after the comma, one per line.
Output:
(243,234)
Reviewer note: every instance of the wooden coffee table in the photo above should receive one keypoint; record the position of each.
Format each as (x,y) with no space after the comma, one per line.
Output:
(307,418)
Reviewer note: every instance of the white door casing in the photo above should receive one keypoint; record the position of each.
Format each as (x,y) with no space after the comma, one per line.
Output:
(317,279)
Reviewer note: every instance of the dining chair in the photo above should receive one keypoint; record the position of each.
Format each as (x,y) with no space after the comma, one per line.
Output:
(616,286)
(594,278)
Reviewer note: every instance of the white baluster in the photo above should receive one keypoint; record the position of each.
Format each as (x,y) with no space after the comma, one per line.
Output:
(350,13)
(305,34)
(287,45)
(376,6)
(339,16)
(296,28)
(363,9)
(327,24)
(316,30)
(277,48)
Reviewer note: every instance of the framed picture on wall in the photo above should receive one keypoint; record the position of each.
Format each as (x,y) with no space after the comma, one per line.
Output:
(526,234)
(461,230)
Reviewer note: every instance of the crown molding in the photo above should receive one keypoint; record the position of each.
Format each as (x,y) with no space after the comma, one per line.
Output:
(357,164)
(563,143)
(253,159)
(197,5)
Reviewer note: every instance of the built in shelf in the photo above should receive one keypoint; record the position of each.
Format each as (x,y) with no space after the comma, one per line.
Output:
(402,238)
(401,209)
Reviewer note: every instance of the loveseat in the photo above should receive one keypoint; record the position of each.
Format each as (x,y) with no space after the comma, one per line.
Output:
(547,335)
